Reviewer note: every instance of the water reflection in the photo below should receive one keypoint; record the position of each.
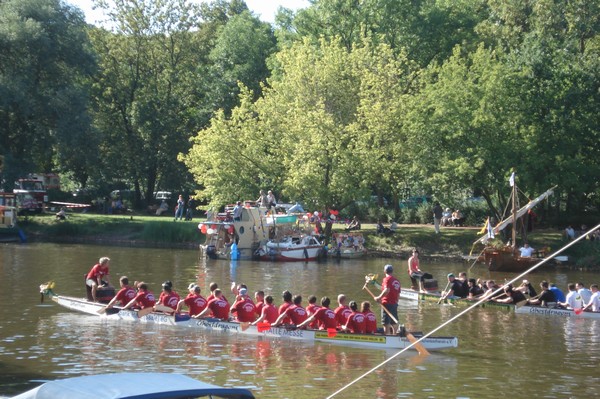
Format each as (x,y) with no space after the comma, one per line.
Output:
(497,350)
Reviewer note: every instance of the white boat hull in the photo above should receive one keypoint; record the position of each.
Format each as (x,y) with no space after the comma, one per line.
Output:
(376,341)
(555,312)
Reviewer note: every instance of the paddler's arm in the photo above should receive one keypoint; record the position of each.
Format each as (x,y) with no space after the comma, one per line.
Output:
(307,321)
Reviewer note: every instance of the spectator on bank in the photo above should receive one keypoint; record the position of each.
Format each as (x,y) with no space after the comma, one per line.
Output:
(179,208)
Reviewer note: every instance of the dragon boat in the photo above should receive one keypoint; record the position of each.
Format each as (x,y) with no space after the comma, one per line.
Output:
(375,341)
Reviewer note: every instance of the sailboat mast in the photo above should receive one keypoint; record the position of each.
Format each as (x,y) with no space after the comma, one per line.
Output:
(514,213)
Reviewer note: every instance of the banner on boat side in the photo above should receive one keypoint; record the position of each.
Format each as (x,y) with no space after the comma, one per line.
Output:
(350,337)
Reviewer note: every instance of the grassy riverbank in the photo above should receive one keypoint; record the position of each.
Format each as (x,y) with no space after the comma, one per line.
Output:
(162,231)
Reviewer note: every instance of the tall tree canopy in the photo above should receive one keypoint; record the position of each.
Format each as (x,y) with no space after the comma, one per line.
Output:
(45,59)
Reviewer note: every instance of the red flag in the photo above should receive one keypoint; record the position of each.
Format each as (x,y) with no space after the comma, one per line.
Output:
(578,311)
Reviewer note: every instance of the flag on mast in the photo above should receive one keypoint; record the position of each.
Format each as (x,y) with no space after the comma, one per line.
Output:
(511,180)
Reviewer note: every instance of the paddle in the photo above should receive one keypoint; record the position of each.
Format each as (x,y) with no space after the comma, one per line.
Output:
(418,346)
(143,312)
(162,308)
(263,326)
(444,295)
(331,332)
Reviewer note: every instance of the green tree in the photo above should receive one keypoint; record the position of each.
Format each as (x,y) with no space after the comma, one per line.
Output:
(146,93)
(45,62)
(242,47)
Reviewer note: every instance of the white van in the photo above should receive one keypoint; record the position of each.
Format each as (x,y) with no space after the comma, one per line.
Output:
(162,195)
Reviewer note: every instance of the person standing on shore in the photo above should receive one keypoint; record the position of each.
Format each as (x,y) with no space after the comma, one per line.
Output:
(390,290)
(438,213)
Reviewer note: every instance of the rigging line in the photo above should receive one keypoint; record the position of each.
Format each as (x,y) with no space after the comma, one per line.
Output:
(479,302)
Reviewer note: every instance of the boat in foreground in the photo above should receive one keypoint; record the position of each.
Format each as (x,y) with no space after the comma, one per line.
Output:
(132,385)
(376,341)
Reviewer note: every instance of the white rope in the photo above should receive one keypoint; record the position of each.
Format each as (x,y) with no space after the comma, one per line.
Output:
(479,302)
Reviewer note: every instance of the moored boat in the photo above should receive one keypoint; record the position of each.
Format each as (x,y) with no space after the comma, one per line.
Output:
(376,341)
(227,238)
(498,256)
(347,246)
(132,385)
(302,247)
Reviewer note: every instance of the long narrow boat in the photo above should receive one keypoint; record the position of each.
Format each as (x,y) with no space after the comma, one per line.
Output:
(434,297)
(413,295)
(376,341)
(556,312)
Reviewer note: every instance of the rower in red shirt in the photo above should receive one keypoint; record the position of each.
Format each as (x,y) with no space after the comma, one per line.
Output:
(216,307)
(269,312)
(312,309)
(243,308)
(125,294)
(144,298)
(370,318)
(356,321)
(296,313)
(168,297)
(342,312)
(260,301)
(287,302)
(324,316)
(195,302)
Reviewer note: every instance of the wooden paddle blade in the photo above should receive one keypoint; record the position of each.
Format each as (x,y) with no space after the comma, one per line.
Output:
(418,346)
(102,310)
(244,326)
(263,326)
(162,308)
(144,312)
(331,332)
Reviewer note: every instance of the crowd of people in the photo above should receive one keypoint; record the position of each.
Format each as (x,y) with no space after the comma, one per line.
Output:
(578,297)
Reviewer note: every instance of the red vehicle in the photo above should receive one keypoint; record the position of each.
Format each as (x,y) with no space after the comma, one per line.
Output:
(28,189)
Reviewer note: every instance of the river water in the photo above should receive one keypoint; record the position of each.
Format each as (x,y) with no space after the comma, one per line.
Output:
(498,353)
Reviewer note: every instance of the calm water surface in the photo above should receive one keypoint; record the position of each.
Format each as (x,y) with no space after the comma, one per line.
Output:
(499,352)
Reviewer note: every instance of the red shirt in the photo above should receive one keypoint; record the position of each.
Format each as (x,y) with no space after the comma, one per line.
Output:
(357,323)
(97,271)
(244,310)
(297,314)
(259,305)
(196,303)
(393,285)
(145,299)
(169,299)
(342,313)
(219,308)
(312,309)
(270,312)
(370,322)
(125,295)
(282,308)
(326,318)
